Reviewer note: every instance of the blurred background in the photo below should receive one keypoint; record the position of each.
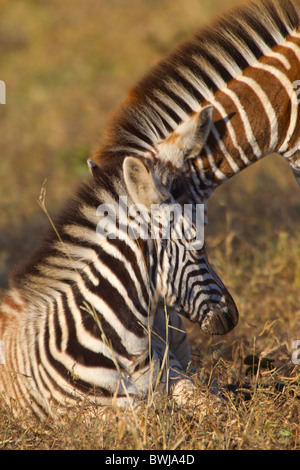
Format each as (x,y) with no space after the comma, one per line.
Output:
(66,66)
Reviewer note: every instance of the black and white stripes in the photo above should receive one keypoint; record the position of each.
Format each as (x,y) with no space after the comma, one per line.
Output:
(79,322)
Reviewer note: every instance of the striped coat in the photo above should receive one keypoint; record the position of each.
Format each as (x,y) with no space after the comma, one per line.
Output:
(247,65)
(80,322)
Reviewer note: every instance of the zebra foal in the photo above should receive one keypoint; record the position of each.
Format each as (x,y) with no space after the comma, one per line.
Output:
(77,322)
(247,65)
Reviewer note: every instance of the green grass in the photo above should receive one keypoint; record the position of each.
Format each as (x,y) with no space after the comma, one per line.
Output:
(66,66)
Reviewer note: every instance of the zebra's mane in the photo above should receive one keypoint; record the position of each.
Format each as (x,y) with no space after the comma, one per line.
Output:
(69,214)
(189,76)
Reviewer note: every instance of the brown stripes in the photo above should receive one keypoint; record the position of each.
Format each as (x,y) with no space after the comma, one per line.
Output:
(230,38)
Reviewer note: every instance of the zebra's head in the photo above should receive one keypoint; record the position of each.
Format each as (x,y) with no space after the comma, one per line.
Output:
(169,234)
(179,267)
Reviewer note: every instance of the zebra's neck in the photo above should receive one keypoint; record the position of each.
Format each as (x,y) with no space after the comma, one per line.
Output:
(76,257)
(246,65)
(256,114)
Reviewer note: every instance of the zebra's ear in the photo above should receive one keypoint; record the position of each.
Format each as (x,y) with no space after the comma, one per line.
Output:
(140,184)
(188,139)
(93,167)
(195,132)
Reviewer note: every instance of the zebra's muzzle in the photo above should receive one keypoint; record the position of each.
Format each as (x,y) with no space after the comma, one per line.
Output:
(219,319)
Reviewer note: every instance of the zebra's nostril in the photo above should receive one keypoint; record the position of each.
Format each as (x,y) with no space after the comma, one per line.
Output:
(218,320)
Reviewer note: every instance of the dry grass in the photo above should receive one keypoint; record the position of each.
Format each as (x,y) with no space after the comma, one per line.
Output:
(261,416)
(66,66)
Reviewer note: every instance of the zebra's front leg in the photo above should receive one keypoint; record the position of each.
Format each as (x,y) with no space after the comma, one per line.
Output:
(170,345)
(171,348)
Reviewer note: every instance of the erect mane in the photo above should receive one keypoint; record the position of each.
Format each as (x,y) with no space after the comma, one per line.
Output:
(183,81)
(70,213)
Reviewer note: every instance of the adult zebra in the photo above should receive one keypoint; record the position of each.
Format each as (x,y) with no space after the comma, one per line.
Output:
(77,321)
(247,64)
